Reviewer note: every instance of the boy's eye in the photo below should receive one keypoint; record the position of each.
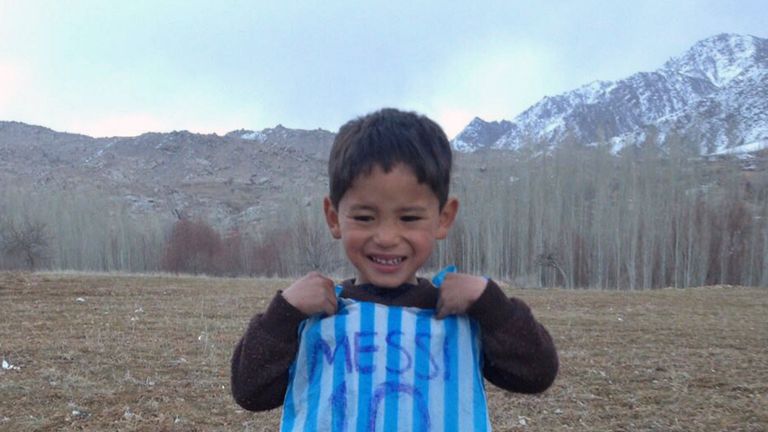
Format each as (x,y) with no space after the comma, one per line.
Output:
(363,218)
(410,218)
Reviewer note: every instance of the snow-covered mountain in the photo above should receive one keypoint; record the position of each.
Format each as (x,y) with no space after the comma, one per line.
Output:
(713,97)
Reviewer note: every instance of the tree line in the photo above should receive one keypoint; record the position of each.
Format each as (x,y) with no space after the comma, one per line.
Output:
(583,217)
(578,217)
(76,230)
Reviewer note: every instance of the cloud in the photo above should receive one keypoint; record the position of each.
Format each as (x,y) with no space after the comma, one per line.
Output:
(453,120)
(14,85)
(141,67)
(138,122)
(495,82)
(123,124)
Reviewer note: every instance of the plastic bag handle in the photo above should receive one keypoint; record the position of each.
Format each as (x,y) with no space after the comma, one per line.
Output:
(437,280)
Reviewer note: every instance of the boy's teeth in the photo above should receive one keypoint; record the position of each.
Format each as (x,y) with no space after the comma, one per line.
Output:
(392,261)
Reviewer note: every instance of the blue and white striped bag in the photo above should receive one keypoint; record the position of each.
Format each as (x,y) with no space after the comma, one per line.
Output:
(372,367)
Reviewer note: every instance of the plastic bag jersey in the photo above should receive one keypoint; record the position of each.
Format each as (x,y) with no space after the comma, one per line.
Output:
(372,367)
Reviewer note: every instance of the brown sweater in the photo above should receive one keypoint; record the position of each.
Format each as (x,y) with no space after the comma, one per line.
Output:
(518,352)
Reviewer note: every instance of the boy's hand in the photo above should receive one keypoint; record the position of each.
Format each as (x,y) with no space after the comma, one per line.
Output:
(312,294)
(458,292)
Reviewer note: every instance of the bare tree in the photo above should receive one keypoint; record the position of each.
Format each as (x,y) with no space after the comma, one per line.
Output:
(193,247)
(28,241)
(550,260)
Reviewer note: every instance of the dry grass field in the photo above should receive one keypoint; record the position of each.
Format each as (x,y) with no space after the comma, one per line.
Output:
(105,352)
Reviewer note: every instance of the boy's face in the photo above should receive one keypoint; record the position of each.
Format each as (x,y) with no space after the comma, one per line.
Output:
(388,223)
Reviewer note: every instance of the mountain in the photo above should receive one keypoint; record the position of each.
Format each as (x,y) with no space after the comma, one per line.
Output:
(236,179)
(714,96)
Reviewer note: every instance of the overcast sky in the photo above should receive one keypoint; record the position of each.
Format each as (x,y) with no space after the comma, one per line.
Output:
(107,68)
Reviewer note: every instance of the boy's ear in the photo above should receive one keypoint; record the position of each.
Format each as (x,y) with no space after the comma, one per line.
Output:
(331,218)
(447,216)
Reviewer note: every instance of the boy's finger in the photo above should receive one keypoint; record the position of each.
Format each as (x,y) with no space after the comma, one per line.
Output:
(330,305)
(328,280)
(440,309)
(329,284)
(321,277)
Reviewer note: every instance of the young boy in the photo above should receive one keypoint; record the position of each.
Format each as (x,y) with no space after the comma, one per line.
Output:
(388,204)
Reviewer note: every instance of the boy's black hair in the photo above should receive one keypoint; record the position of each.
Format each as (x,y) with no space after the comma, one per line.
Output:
(385,138)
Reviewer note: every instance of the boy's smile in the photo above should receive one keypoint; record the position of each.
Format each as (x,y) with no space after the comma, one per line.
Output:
(388,223)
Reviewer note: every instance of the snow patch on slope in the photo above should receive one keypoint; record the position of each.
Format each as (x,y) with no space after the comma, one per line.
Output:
(254,136)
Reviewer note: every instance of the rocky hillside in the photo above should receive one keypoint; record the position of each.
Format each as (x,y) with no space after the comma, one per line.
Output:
(239,178)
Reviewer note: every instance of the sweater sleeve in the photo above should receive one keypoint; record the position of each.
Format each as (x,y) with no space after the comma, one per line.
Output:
(518,352)
(263,356)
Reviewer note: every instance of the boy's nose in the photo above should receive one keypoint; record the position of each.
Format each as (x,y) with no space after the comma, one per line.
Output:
(386,235)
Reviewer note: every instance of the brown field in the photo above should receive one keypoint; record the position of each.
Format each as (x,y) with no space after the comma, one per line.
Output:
(152,353)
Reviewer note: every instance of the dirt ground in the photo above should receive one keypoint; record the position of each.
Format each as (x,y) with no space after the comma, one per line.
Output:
(105,352)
